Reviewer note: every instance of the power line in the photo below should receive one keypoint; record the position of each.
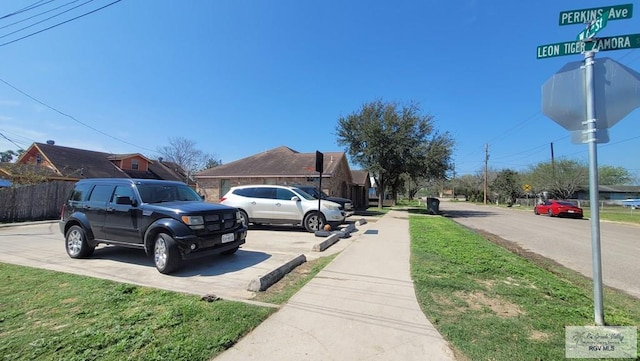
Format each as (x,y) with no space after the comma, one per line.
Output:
(30,7)
(10,140)
(39,14)
(72,117)
(17,138)
(517,126)
(64,22)
(43,20)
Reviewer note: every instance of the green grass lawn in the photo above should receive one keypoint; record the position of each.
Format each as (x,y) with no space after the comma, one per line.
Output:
(493,304)
(46,315)
(616,214)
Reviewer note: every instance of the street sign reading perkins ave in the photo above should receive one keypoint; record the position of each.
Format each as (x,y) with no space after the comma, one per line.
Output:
(585,16)
(578,47)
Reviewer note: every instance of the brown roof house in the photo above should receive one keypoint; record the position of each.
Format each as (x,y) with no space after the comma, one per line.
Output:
(283,166)
(54,162)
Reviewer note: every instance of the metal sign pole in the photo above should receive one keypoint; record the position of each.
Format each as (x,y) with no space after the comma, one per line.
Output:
(593,191)
(319,194)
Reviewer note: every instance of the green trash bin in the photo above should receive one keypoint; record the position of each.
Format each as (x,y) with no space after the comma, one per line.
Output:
(433,205)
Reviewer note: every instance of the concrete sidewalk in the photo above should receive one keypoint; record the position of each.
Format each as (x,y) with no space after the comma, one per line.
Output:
(362,306)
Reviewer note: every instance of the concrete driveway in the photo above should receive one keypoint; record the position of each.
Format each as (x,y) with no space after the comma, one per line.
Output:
(41,245)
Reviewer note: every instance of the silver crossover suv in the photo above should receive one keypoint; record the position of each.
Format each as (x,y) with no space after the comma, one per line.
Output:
(274,204)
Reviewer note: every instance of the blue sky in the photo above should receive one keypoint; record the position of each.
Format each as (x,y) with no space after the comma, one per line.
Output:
(239,77)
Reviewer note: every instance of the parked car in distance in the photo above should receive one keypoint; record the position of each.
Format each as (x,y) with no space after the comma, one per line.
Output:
(166,219)
(276,204)
(556,208)
(345,203)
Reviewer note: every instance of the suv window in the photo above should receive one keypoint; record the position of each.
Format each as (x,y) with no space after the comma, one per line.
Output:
(122,191)
(268,193)
(154,193)
(80,192)
(245,192)
(284,194)
(101,193)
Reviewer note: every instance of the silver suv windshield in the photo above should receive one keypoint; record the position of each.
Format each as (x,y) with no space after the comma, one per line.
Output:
(158,193)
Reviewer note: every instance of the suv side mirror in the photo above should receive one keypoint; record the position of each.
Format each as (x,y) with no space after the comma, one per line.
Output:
(295,198)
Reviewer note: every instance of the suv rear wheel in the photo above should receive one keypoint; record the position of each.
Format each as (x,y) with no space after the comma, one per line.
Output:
(76,243)
(165,253)
(314,221)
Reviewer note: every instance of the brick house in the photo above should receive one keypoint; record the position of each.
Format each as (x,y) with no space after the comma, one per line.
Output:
(53,162)
(285,166)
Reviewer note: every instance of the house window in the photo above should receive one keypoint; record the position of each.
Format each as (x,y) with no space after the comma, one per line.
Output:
(38,159)
(134,164)
(225,185)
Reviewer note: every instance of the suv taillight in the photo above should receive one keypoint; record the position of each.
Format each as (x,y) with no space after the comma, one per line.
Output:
(222,199)
(63,211)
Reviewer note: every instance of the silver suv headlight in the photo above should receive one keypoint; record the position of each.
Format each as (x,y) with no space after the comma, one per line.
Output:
(331,208)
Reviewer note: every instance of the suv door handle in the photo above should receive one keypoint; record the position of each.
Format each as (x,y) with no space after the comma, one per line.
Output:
(278,204)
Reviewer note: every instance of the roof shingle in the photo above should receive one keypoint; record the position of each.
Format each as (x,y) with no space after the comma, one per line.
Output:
(281,161)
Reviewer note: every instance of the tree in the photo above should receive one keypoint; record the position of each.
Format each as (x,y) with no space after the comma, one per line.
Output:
(614,176)
(507,185)
(471,186)
(211,162)
(561,178)
(390,140)
(183,152)
(7,156)
(431,166)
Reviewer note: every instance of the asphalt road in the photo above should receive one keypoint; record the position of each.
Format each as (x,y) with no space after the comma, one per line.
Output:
(564,240)
(42,245)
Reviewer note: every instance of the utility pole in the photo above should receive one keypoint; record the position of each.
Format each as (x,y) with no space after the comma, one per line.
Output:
(453,184)
(486,171)
(553,164)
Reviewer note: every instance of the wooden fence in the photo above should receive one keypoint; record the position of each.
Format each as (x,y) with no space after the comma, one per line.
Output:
(34,202)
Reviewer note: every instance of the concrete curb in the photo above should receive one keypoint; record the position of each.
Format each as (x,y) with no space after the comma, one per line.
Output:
(319,247)
(263,282)
(29,223)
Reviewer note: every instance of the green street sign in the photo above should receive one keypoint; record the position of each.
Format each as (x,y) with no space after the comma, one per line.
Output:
(595,26)
(598,44)
(585,16)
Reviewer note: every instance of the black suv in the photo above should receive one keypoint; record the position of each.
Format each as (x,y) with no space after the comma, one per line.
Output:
(346,206)
(166,219)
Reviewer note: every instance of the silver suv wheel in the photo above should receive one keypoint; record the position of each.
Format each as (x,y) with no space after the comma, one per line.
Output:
(314,221)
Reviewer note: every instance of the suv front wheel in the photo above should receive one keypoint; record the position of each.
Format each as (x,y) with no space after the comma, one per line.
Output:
(166,256)
(76,243)
(314,221)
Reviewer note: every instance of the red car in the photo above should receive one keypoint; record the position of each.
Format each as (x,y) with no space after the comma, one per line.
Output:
(558,208)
